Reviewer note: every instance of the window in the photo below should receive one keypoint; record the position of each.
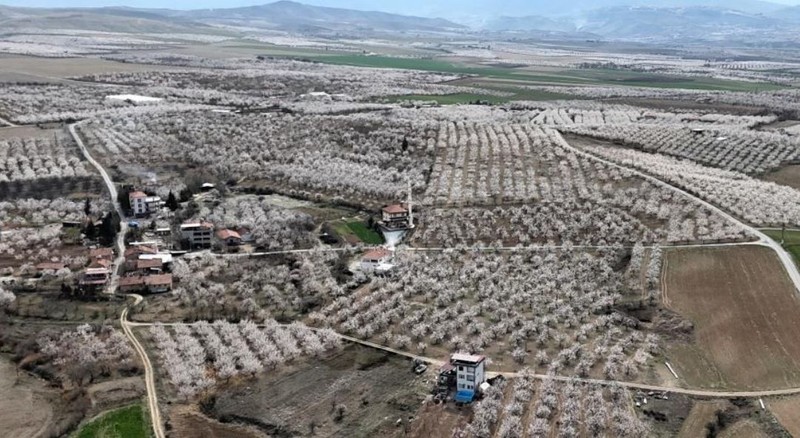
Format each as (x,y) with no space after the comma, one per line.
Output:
(469,386)
(461,368)
(471,378)
(461,386)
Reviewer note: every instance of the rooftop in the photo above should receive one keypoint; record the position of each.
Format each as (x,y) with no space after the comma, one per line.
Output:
(137,194)
(189,225)
(395,209)
(377,254)
(228,234)
(467,358)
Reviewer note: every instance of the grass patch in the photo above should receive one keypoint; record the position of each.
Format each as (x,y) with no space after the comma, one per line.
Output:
(351,231)
(365,234)
(127,422)
(791,241)
(450,99)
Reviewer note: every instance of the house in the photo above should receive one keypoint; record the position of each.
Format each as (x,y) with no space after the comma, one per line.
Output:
(377,260)
(396,217)
(229,237)
(143,205)
(138,204)
(95,277)
(157,284)
(199,234)
(131,284)
(101,254)
(151,283)
(101,263)
(149,266)
(246,234)
(133,251)
(49,266)
(470,374)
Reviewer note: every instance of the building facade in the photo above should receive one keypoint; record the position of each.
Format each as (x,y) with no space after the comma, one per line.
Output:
(199,234)
(470,374)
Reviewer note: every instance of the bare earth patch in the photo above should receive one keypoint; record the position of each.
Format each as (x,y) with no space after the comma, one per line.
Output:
(744,309)
(186,422)
(787,411)
(702,413)
(788,176)
(24,407)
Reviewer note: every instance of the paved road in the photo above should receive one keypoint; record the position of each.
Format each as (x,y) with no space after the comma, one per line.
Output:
(786,259)
(149,375)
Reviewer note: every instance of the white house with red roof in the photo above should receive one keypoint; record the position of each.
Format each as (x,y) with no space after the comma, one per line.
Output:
(142,205)
(378,260)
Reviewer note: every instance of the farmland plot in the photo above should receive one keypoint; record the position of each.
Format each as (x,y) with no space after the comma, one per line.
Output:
(525,407)
(360,158)
(196,356)
(757,202)
(743,307)
(553,310)
(745,151)
(552,195)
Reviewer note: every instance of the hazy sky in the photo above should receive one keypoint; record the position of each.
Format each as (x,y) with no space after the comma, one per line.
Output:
(201,4)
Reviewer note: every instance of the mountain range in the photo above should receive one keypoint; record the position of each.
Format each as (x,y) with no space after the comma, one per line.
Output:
(611,19)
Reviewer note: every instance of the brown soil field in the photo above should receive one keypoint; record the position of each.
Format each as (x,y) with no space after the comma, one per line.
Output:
(25,409)
(744,429)
(15,68)
(744,309)
(702,413)
(187,422)
(787,412)
(439,420)
(26,132)
(380,394)
(788,176)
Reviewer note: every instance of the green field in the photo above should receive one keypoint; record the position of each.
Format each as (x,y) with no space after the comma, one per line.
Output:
(791,241)
(467,98)
(127,422)
(576,77)
(358,229)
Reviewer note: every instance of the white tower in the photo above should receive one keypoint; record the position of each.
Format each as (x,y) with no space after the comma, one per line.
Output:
(410,207)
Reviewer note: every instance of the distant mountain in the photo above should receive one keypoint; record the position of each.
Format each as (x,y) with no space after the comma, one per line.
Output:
(288,15)
(675,23)
(99,19)
(484,11)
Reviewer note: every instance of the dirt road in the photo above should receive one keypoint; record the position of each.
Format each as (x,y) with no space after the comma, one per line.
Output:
(149,375)
(785,258)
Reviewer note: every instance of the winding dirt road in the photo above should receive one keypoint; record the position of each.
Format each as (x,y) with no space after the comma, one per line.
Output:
(786,259)
(149,374)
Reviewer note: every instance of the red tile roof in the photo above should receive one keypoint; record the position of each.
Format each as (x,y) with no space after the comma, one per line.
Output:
(377,254)
(137,194)
(44,266)
(131,281)
(100,263)
(228,234)
(148,264)
(101,253)
(158,280)
(395,209)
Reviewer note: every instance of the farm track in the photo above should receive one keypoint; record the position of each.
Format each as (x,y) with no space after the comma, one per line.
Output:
(786,259)
(7,123)
(158,430)
(152,396)
(600,382)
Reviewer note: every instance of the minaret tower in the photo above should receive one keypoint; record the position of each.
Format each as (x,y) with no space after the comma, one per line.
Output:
(410,207)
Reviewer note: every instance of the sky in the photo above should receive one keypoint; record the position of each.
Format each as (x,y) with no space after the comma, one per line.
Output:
(388,5)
